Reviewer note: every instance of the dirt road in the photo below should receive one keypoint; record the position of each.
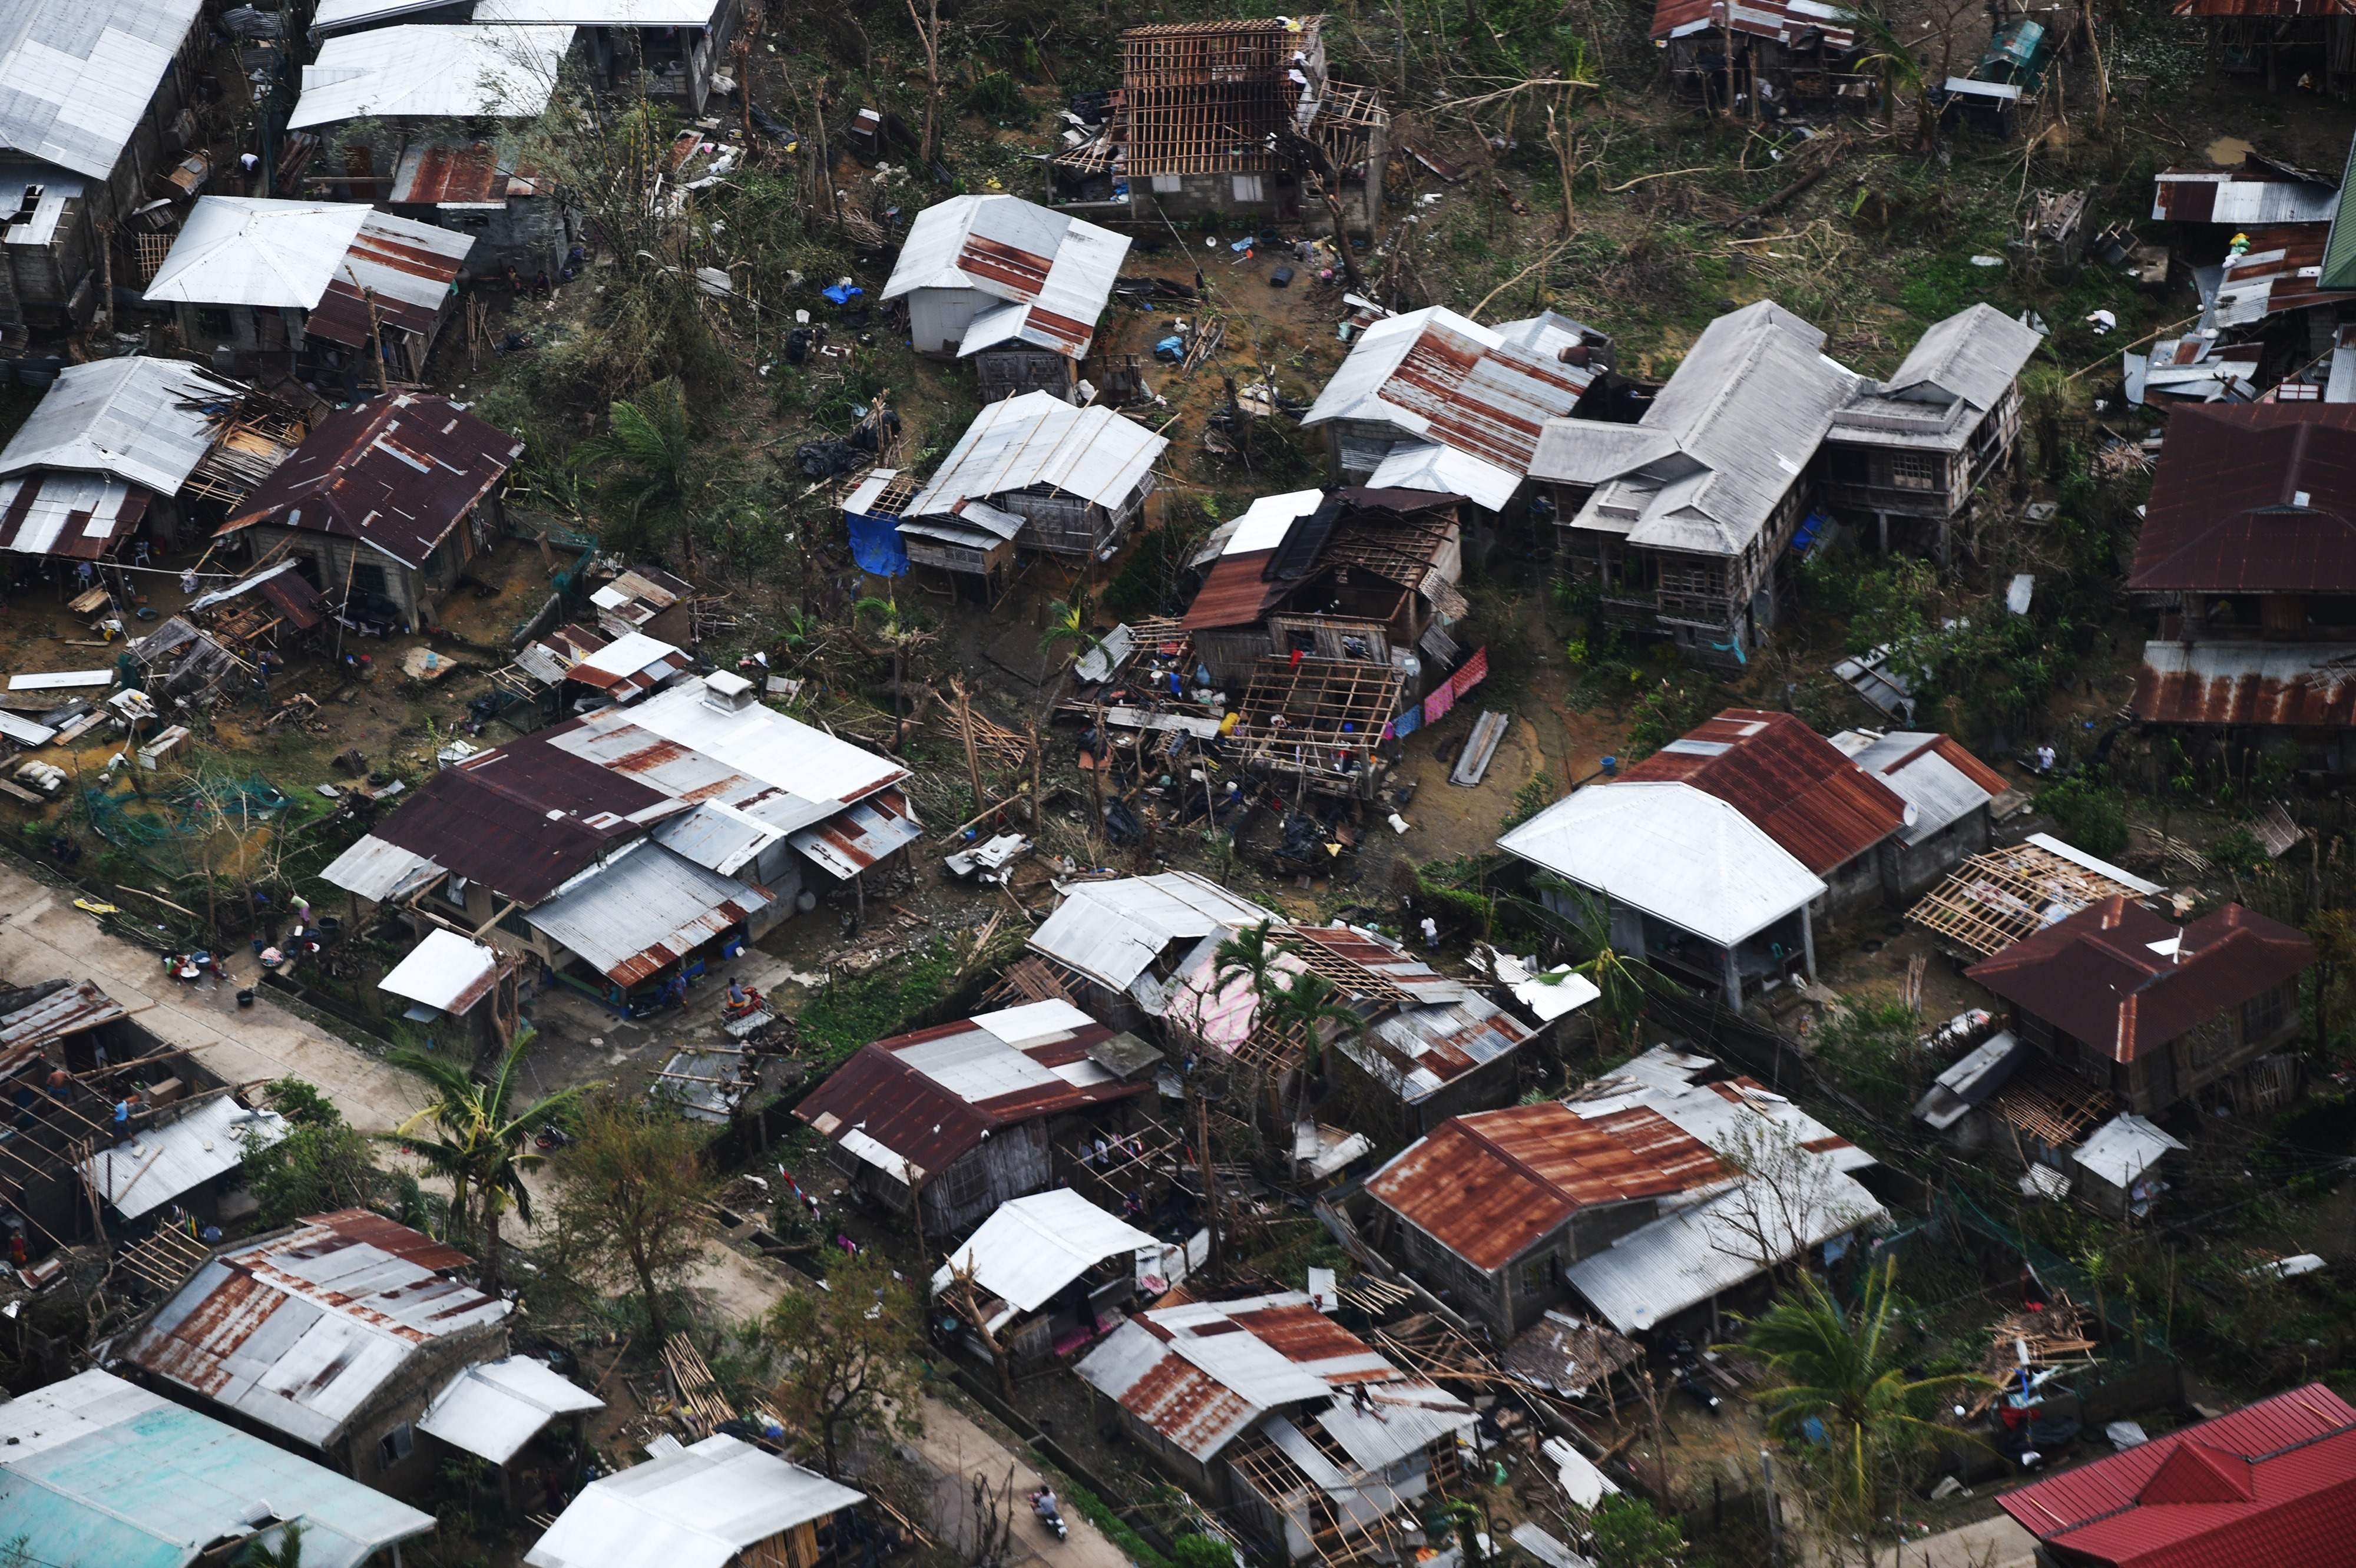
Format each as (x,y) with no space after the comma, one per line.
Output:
(44,937)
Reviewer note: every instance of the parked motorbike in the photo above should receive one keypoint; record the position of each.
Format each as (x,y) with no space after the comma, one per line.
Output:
(551,1136)
(1042,1503)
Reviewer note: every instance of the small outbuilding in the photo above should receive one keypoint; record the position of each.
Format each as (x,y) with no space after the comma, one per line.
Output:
(720,1503)
(1012,286)
(1050,1271)
(1049,477)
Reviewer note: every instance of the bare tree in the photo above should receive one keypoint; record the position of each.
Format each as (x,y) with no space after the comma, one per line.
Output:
(994,1521)
(965,1298)
(928,32)
(1784,1198)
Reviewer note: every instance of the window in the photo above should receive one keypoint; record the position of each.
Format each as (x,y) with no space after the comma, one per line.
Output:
(2262,1015)
(368,581)
(455,890)
(1169,184)
(1534,1276)
(395,1446)
(1248,187)
(966,1181)
(1913,472)
(212,322)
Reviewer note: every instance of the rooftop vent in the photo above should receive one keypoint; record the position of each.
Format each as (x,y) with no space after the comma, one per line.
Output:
(727,691)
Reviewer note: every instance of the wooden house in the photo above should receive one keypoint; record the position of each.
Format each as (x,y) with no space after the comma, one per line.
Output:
(1047,477)
(717,1503)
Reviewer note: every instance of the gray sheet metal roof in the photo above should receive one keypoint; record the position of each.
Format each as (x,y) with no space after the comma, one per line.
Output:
(149,1169)
(453,71)
(1974,355)
(378,871)
(1747,410)
(695,1507)
(1112,931)
(647,910)
(127,419)
(1040,440)
(300,1329)
(493,1410)
(1055,271)
(96,1470)
(76,76)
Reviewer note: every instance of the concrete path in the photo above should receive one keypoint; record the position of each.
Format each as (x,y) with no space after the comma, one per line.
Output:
(44,937)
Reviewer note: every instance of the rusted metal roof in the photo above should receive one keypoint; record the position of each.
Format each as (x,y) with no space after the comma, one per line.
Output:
(922,1100)
(646,912)
(2256,498)
(2127,981)
(68,1008)
(1790,22)
(2258,191)
(398,473)
(873,830)
(2279,272)
(453,173)
(1234,592)
(2302,686)
(300,1329)
(1792,783)
(1488,1186)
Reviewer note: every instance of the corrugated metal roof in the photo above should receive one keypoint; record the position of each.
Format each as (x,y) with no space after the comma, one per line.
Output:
(397,473)
(1032,1248)
(447,71)
(494,1409)
(462,174)
(81,516)
(300,1329)
(237,250)
(846,844)
(922,1100)
(1940,781)
(1038,440)
(1488,1186)
(446,972)
(1786,21)
(2279,272)
(378,871)
(601,13)
(2124,1147)
(1796,786)
(697,1508)
(1744,414)
(1112,931)
(139,420)
(1419,1051)
(1423,465)
(2127,981)
(637,596)
(145,1172)
(1484,394)
(717,837)
(96,1470)
(2303,686)
(77,76)
(331,15)
(2240,197)
(69,1009)
(645,912)
(1672,851)
(1055,271)
(2273,1482)
(1975,355)
(2258,498)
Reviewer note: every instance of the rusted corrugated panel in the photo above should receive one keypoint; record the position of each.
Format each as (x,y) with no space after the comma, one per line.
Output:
(467,174)
(1234,592)
(1020,273)
(2099,976)
(1491,403)
(1488,1186)
(2298,687)
(1796,785)
(2226,514)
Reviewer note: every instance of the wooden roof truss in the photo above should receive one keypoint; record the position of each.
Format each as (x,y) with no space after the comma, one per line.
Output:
(1993,900)
(1318,720)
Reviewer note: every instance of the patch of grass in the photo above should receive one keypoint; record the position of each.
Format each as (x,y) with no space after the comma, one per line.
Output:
(850,1013)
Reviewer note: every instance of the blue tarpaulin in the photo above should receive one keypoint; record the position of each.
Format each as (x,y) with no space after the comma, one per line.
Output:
(876,544)
(842,293)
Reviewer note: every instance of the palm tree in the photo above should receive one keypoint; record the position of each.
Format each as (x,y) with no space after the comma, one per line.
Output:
(480,1150)
(900,639)
(1067,628)
(1899,68)
(1844,1370)
(1625,985)
(644,456)
(1308,1003)
(287,1554)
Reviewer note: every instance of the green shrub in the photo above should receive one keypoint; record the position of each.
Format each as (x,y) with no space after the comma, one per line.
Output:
(2089,811)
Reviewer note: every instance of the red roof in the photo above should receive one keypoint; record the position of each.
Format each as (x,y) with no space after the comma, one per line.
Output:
(1487,1185)
(1234,593)
(2255,497)
(2273,1484)
(1794,785)
(2106,974)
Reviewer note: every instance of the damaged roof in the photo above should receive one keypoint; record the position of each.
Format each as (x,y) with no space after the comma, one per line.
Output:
(300,1329)
(1796,785)
(397,474)
(1789,22)
(643,912)
(1940,781)
(449,71)
(707,1505)
(77,76)
(2256,498)
(2254,191)
(144,421)
(313,256)
(1482,393)
(447,972)
(1039,441)
(915,1103)
(1028,1251)
(2300,685)
(1055,272)
(2127,981)
(1489,1186)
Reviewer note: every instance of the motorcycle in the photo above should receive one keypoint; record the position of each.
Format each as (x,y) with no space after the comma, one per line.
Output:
(551,1136)
(1042,1504)
(754,1002)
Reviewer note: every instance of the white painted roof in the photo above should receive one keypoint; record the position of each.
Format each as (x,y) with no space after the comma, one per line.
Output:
(1670,851)
(237,250)
(1039,439)
(456,72)
(122,418)
(147,1171)
(1427,466)
(1110,931)
(494,1409)
(601,13)
(628,654)
(1034,1247)
(697,1508)
(1266,521)
(76,76)
(378,871)
(446,972)
(331,15)
(2124,1147)
(992,244)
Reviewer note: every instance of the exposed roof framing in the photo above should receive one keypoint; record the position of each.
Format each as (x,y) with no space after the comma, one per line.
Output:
(1319,719)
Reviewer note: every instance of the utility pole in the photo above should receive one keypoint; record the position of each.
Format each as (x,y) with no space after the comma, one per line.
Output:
(1218,1254)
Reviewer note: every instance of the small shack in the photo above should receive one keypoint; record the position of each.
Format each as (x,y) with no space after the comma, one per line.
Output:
(720,1503)
(1050,1272)
(1075,479)
(496,1411)
(105,453)
(460,991)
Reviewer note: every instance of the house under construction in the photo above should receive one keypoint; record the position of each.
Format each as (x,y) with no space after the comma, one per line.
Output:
(1232,117)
